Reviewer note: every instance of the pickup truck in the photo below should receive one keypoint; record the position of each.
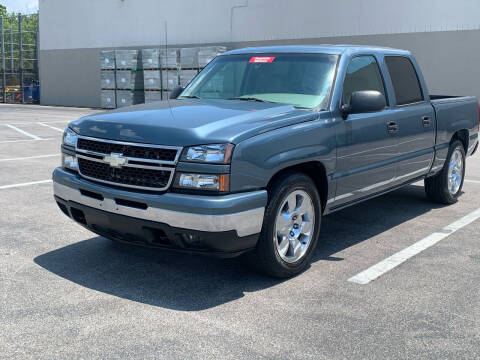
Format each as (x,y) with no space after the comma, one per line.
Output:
(264,142)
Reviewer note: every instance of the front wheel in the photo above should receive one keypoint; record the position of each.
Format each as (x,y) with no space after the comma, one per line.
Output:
(446,186)
(291,227)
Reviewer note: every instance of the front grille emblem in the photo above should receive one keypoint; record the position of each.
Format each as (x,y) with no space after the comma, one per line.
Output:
(115,160)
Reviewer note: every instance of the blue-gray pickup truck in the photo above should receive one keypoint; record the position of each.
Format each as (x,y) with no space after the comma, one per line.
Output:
(259,146)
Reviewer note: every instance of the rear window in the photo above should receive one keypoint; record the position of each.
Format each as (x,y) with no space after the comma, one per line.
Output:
(404,79)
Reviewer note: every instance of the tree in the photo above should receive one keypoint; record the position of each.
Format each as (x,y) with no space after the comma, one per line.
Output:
(3,10)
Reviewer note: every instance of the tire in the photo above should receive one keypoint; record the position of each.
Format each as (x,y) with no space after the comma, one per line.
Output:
(270,256)
(437,187)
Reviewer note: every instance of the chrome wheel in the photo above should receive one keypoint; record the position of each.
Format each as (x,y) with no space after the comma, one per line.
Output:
(455,172)
(294,226)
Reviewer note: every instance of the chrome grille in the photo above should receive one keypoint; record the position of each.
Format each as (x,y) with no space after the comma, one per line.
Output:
(141,152)
(131,176)
(144,166)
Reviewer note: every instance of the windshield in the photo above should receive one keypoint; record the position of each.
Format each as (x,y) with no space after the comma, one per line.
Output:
(301,80)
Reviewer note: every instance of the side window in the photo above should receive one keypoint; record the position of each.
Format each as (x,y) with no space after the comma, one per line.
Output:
(363,73)
(404,79)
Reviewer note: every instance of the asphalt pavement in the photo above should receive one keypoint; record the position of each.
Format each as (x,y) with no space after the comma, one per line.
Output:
(66,293)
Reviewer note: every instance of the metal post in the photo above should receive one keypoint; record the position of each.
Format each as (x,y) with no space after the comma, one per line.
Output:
(12,70)
(37,51)
(20,65)
(4,76)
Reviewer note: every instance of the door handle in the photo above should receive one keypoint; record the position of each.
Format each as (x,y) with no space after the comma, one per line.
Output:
(426,121)
(392,127)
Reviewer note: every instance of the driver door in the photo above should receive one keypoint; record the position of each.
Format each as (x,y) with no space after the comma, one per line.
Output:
(366,144)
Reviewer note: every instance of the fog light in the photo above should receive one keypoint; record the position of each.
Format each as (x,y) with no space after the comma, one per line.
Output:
(69,162)
(204,182)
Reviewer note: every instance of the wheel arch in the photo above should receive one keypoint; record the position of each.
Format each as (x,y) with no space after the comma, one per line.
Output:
(315,170)
(463,137)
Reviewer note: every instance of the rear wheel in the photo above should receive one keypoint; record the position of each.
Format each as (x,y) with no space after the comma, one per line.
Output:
(291,227)
(446,186)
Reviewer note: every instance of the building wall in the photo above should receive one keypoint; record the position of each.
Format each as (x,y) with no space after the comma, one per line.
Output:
(443,36)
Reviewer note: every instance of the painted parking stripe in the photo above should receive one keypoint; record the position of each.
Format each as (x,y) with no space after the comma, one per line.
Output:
(24,184)
(473,181)
(25,140)
(51,127)
(35,137)
(393,261)
(30,157)
(43,122)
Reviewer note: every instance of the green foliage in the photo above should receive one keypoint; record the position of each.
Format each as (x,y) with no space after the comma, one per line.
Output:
(3,10)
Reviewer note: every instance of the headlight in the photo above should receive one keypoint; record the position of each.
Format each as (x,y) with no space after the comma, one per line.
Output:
(212,182)
(70,138)
(215,153)
(69,162)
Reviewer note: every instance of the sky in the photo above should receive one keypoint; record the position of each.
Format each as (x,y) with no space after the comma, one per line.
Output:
(23,6)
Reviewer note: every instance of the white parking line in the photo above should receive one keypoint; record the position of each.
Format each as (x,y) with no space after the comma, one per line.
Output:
(30,157)
(24,184)
(43,122)
(393,261)
(25,140)
(35,137)
(51,127)
(472,181)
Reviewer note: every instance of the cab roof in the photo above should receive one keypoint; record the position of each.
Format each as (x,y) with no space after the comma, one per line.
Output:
(319,49)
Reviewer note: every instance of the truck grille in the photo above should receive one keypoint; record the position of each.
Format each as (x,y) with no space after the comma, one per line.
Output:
(138,177)
(141,152)
(144,166)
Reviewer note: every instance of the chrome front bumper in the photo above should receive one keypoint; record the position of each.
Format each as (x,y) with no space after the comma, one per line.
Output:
(242,212)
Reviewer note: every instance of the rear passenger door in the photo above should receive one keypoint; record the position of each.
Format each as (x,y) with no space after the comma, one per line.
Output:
(415,117)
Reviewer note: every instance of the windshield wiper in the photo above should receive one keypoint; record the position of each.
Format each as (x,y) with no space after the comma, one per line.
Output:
(190,97)
(249,99)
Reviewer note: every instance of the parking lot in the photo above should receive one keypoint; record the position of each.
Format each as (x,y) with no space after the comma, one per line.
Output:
(68,293)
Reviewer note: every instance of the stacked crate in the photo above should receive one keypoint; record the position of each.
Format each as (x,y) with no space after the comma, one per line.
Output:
(160,73)
(152,78)
(169,64)
(128,77)
(208,53)
(188,65)
(107,79)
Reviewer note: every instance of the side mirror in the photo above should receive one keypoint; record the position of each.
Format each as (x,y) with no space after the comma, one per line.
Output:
(364,101)
(176,92)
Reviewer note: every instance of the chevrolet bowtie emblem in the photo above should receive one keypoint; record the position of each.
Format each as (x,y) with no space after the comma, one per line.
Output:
(115,160)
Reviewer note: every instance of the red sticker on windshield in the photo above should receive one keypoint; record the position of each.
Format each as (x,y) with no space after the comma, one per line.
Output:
(262,59)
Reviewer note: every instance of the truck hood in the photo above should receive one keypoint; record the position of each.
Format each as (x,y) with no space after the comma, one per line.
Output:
(190,121)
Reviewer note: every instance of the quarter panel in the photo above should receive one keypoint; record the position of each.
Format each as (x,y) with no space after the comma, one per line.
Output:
(452,115)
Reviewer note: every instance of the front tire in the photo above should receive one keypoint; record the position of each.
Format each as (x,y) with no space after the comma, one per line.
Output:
(291,227)
(446,186)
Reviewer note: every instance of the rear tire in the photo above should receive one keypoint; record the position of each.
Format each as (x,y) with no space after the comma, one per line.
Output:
(291,227)
(446,186)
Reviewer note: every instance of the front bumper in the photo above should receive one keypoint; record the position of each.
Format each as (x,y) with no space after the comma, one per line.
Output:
(225,225)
